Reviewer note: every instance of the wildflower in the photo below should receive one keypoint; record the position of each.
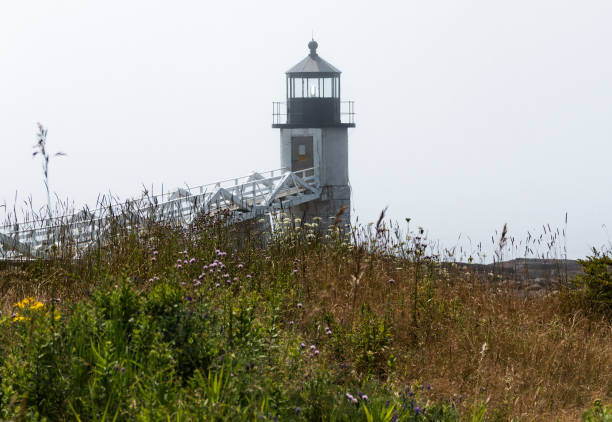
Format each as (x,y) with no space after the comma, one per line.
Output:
(179,261)
(185,252)
(295,271)
(19,318)
(417,410)
(235,278)
(299,305)
(248,276)
(179,266)
(240,265)
(205,267)
(312,347)
(197,283)
(302,345)
(189,298)
(153,259)
(291,322)
(24,302)
(364,397)
(192,260)
(185,262)
(155,253)
(201,276)
(150,280)
(391,281)
(297,410)
(36,306)
(349,396)
(316,352)
(217,285)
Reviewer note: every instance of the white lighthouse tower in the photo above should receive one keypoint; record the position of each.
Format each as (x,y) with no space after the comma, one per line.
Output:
(314,133)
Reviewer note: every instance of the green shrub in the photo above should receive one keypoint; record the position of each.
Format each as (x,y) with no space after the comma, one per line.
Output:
(598,413)
(595,284)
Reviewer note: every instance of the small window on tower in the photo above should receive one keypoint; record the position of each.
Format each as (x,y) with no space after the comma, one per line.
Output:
(302,152)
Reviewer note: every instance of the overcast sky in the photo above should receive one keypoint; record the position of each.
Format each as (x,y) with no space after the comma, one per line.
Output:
(470,114)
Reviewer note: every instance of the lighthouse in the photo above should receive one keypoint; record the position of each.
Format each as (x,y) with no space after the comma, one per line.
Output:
(314,123)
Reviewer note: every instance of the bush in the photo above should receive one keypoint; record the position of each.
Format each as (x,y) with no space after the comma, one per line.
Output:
(595,284)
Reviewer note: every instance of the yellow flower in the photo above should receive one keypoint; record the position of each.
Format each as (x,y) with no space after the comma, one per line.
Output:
(37,305)
(20,318)
(56,315)
(24,302)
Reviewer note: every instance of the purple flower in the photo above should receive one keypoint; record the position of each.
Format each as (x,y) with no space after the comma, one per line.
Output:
(299,305)
(185,262)
(316,352)
(349,396)
(192,260)
(201,276)
(197,284)
(364,397)
(248,276)
(297,410)
(155,253)
(185,252)
(179,266)
(217,285)
(189,298)
(312,347)
(295,271)
(392,281)
(153,259)
(417,410)
(179,261)
(240,265)
(205,267)
(302,345)
(291,322)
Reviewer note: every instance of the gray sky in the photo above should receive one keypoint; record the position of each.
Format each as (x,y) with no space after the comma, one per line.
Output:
(470,114)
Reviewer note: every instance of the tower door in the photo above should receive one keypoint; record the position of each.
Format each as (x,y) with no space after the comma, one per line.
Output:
(302,156)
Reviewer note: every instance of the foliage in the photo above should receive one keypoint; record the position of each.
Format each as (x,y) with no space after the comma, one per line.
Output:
(596,282)
(304,322)
(598,413)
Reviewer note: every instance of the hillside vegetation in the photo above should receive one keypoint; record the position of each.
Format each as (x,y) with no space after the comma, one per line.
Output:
(221,322)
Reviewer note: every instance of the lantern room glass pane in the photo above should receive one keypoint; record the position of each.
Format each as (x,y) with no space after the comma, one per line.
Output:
(313,87)
(327,88)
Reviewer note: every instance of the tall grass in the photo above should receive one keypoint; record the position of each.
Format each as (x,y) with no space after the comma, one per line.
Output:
(309,321)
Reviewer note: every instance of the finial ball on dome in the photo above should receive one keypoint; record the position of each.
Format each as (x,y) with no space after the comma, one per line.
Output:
(312,45)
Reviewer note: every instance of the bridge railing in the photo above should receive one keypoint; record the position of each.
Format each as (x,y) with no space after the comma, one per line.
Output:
(248,195)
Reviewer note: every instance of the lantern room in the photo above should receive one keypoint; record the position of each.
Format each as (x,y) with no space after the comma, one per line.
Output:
(313,95)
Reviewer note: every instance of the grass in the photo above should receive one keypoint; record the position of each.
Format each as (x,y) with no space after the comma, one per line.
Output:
(218,322)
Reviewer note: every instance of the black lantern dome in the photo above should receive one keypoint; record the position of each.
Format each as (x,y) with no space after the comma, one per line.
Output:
(313,93)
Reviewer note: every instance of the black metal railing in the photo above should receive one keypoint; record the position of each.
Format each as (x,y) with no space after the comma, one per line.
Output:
(280,114)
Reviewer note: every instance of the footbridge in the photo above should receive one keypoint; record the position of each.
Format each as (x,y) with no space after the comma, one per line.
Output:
(260,194)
